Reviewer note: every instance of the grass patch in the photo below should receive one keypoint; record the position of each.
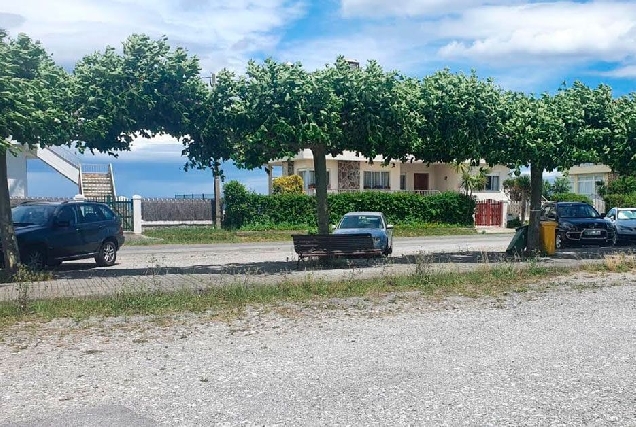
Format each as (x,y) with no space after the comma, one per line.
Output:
(207,234)
(486,280)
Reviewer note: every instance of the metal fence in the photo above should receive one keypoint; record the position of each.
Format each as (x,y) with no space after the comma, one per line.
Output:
(201,196)
(123,208)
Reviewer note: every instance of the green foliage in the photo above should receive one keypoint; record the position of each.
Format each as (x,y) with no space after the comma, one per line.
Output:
(619,151)
(620,192)
(514,223)
(399,208)
(570,197)
(561,185)
(518,187)
(627,200)
(236,198)
(622,185)
(289,184)
(147,89)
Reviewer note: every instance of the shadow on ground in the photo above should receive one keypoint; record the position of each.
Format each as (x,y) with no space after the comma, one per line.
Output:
(89,270)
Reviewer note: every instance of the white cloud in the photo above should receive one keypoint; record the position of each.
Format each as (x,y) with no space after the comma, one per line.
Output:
(382,8)
(160,149)
(222,33)
(560,31)
(626,72)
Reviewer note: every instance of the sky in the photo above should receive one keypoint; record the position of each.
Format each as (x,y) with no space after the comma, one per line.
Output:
(526,45)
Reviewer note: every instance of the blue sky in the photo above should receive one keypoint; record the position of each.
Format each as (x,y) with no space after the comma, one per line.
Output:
(523,44)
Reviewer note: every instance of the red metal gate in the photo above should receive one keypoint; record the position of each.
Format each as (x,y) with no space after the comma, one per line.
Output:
(488,212)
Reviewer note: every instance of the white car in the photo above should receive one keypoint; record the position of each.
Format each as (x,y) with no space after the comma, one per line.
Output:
(368,222)
(624,221)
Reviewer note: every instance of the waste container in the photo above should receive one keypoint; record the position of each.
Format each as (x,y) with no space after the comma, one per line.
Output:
(547,231)
(519,241)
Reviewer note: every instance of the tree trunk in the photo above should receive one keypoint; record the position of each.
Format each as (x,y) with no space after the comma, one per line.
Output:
(536,187)
(320,171)
(217,195)
(9,242)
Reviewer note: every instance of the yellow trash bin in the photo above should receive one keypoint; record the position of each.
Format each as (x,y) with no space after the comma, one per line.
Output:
(547,230)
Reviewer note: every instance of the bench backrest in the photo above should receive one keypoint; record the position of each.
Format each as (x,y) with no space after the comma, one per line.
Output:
(333,242)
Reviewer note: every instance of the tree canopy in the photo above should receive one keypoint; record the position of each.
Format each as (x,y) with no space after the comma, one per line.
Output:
(147,89)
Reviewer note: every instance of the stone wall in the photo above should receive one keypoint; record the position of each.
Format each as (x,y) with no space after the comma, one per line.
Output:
(348,175)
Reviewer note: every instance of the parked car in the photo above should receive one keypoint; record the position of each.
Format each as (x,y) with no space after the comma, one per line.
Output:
(578,223)
(624,221)
(51,232)
(368,222)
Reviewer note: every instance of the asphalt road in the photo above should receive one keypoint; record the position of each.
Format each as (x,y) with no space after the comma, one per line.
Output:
(246,253)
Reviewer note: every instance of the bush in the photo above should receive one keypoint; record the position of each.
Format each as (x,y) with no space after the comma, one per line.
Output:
(245,209)
(514,223)
(570,197)
(290,184)
(620,200)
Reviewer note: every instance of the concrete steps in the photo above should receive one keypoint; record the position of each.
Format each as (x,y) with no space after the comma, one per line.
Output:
(97,185)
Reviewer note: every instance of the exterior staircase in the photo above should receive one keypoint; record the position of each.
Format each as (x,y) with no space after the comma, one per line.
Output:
(95,182)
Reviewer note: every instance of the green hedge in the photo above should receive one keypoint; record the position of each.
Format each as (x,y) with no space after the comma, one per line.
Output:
(244,208)
(620,200)
(570,197)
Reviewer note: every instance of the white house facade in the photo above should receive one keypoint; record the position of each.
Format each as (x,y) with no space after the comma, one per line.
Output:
(349,172)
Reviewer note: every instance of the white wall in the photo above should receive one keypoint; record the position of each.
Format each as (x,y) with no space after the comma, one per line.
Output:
(17,173)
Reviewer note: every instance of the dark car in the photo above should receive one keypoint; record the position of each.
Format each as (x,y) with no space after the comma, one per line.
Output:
(578,223)
(51,232)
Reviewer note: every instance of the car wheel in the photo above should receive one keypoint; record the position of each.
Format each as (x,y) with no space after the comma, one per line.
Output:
(54,263)
(107,254)
(388,251)
(34,258)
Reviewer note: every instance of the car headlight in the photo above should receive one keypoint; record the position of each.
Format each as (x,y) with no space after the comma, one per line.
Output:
(566,225)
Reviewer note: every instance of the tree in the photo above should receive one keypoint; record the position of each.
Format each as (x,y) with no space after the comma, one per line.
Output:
(211,134)
(280,109)
(551,132)
(619,151)
(518,189)
(33,111)
(108,100)
(460,114)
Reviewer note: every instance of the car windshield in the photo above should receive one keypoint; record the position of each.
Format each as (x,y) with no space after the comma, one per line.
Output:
(577,211)
(626,214)
(361,221)
(32,214)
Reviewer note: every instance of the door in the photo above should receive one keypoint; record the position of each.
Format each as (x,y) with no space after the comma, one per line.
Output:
(420,181)
(92,225)
(65,239)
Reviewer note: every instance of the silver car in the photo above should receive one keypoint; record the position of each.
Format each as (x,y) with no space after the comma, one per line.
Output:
(368,222)
(624,220)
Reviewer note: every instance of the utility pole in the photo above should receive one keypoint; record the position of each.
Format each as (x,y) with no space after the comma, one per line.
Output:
(217,176)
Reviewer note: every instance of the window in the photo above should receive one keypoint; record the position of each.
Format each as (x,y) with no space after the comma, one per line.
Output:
(402,182)
(587,184)
(376,181)
(492,183)
(90,213)
(106,212)
(309,178)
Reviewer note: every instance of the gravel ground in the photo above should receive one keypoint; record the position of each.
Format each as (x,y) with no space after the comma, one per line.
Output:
(561,356)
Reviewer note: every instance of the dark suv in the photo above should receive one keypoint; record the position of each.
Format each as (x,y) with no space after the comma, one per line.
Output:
(51,232)
(578,223)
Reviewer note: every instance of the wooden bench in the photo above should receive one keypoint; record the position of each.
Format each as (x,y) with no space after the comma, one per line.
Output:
(335,246)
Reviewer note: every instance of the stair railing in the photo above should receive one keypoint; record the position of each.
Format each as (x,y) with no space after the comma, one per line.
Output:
(112,180)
